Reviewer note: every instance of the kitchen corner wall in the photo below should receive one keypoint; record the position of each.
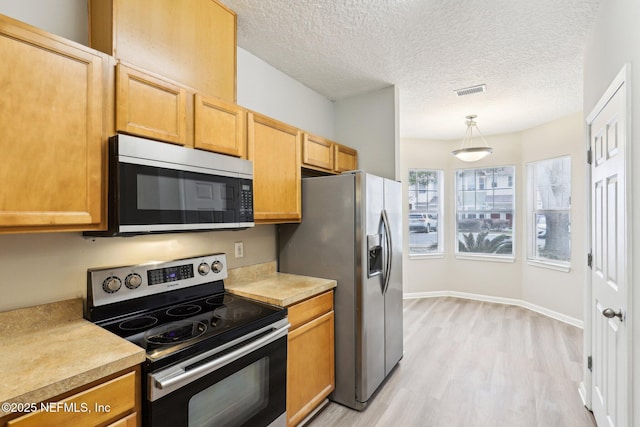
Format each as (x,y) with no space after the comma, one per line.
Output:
(369,123)
(551,290)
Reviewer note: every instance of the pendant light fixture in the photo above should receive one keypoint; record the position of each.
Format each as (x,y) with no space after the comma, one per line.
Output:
(467,152)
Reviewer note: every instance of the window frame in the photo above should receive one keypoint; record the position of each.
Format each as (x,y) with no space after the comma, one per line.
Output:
(439,253)
(490,185)
(533,258)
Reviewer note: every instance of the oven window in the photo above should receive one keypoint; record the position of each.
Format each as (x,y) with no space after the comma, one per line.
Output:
(156,196)
(234,400)
(169,193)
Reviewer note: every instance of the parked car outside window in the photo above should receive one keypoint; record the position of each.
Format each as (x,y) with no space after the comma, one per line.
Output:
(421,222)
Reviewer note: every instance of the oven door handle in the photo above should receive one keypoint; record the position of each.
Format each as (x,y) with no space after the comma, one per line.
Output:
(186,376)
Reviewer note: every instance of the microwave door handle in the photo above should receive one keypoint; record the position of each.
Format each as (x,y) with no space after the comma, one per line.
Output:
(388,248)
(185,376)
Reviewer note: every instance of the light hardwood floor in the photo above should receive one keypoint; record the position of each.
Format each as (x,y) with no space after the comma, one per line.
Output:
(476,364)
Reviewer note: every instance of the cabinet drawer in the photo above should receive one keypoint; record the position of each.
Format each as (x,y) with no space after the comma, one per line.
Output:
(149,106)
(97,405)
(310,309)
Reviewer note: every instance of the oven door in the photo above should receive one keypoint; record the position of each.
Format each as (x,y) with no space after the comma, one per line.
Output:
(244,386)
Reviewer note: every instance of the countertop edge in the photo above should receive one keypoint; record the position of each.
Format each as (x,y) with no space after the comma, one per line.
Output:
(281,289)
(68,333)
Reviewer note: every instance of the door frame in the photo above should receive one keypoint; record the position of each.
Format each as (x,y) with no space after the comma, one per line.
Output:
(586,386)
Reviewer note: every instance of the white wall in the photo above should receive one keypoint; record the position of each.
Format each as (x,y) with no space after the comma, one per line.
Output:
(556,291)
(369,123)
(496,279)
(41,268)
(265,89)
(559,291)
(66,18)
(614,42)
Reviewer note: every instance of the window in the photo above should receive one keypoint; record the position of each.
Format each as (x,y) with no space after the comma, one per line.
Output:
(549,211)
(425,212)
(484,215)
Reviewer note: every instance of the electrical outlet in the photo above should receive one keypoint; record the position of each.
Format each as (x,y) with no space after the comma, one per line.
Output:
(239,249)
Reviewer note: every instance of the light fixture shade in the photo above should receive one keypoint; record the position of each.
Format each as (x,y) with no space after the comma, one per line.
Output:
(468,153)
(472,154)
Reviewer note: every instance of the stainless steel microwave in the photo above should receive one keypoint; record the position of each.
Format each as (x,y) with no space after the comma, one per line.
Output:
(159,188)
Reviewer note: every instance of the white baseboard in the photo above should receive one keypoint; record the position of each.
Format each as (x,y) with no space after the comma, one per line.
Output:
(499,300)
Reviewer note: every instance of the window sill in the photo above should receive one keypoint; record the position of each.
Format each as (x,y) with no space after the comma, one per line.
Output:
(438,255)
(490,258)
(565,268)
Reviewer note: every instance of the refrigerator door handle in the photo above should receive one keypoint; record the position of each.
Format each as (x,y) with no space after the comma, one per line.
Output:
(388,246)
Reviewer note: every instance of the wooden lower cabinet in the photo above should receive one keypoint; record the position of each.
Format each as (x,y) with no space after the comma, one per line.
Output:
(114,403)
(128,421)
(310,358)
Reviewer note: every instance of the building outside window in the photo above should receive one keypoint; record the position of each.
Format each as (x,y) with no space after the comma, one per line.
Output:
(485,212)
(425,212)
(549,211)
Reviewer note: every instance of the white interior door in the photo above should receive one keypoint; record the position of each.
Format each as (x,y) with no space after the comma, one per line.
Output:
(609,273)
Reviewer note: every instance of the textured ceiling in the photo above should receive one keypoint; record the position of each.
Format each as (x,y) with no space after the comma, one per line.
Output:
(528,53)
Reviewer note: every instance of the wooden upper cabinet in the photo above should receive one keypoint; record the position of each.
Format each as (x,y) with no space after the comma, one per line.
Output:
(317,152)
(321,154)
(219,126)
(189,41)
(274,148)
(346,158)
(51,121)
(150,106)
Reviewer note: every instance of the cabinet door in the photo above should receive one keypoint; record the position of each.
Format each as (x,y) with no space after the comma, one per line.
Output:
(51,122)
(310,367)
(129,421)
(95,406)
(192,41)
(274,148)
(317,152)
(149,106)
(346,158)
(219,126)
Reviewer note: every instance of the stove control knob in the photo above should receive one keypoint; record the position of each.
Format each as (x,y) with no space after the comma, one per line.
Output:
(203,269)
(111,284)
(216,266)
(133,281)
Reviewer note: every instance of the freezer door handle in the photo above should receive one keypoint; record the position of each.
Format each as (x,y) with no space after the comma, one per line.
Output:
(388,247)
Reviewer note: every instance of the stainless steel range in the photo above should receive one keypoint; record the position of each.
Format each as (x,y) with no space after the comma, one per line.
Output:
(213,359)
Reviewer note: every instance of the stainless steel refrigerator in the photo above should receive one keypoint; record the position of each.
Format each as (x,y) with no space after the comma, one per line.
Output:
(351,231)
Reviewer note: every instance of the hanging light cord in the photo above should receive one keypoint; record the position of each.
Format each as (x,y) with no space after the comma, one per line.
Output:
(468,135)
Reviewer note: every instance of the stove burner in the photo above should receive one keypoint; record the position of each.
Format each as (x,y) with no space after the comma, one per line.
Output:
(174,333)
(219,299)
(138,323)
(236,313)
(184,310)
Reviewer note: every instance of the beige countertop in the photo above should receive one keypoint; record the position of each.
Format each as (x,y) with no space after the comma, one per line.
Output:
(50,349)
(276,288)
